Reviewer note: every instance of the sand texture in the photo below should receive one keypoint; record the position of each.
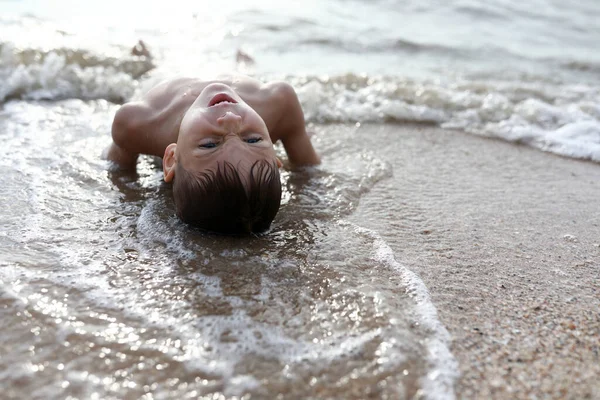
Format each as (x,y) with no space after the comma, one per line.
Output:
(507,240)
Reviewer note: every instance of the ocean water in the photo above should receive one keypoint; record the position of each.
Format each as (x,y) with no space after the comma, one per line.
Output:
(104,294)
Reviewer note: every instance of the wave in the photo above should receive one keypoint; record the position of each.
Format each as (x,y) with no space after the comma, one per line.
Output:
(559,118)
(61,73)
(379,46)
(546,114)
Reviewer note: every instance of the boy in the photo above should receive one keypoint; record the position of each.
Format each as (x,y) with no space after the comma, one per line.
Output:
(216,139)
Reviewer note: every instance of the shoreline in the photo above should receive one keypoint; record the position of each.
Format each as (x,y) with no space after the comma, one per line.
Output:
(507,241)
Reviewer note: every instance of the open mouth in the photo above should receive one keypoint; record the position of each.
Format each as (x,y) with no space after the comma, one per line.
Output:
(221,98)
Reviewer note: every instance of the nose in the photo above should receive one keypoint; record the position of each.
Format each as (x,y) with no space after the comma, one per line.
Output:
(230,121)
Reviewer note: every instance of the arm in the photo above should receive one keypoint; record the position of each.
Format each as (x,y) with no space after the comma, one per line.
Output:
(127,122)
(291,130)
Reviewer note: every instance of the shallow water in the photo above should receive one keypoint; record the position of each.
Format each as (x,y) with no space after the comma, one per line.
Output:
(103,293)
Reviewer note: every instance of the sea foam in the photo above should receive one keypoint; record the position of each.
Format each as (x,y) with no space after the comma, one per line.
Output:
(62,73)
(438,383)
(558,118)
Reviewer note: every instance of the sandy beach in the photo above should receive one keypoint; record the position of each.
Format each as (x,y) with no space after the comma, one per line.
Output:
(507,240)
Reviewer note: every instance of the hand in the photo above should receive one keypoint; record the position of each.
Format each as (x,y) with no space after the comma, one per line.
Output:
(122,158)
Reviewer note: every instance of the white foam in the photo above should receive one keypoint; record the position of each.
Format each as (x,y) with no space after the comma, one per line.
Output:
(579,139)
(568,132)
(439,382)
(325,102)
(558,118)
(60,73)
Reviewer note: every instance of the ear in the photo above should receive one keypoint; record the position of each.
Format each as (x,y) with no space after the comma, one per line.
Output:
(169,162)
(279,163)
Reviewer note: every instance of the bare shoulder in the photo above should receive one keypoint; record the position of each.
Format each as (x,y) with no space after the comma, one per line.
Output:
(290,125)
(129,119)
(284,107)
(282,99)
(279,92)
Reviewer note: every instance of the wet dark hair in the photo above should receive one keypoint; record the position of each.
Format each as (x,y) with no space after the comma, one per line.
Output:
(218,201)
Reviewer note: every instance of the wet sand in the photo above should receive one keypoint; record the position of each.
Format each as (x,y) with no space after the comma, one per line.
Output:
(507,240)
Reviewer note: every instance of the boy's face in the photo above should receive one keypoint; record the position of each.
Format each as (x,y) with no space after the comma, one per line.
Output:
(220,126)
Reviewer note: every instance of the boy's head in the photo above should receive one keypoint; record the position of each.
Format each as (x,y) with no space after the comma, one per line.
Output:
(223,167)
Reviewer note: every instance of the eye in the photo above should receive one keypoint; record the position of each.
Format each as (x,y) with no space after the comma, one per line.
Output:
(209,145)
(253,140)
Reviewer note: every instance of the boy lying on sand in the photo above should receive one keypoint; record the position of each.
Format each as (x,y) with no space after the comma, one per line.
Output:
(216,139)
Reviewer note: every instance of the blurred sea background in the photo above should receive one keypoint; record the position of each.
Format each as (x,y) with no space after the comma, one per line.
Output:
(103,294)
